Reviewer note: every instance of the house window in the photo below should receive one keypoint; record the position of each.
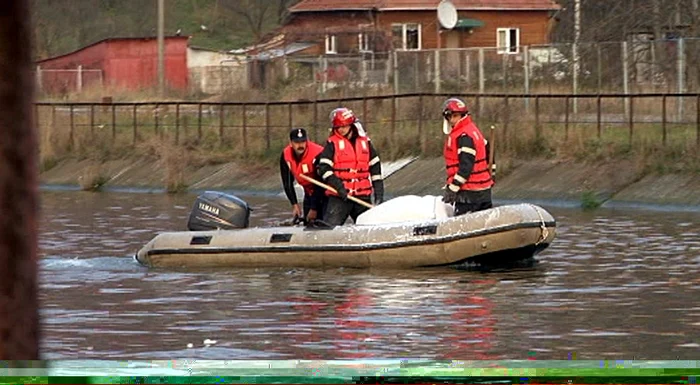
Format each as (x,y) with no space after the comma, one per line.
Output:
(363,42)
(508,40)
(331,47)
(406,36)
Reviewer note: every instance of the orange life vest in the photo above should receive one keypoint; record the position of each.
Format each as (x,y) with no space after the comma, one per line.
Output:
(351,165)
(480,178)
(304,166)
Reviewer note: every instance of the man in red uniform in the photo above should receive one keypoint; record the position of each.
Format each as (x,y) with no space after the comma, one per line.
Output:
(350,164)
(466,160)
(300,157)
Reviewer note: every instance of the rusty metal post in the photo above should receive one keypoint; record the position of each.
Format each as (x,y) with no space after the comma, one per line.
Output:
(199,121)
(245,130)
(598,115)
(92,120)
(631,117)
(567,100)
(420,124)
(506,118)
(221,123)
(177,124)
(114,122)
(134,122)
(289,107)
(156,113)
(393,118)
(267,126)
(537,118)
(72,128)
(663,119)
(19,198)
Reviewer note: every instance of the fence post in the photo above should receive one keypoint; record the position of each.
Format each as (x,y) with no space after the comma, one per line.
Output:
(482,81)
(156,113)
(537,118)
(245,129)
(39,81)
(681,77)
(221,123)
(114,121)
(267,126)
(316,129)
(625,74)
(72,128)
(506,118)
(504,69)
(395,71)
(526,68)
(177,124)
(663,119)
(598,115)
(134,122)
(420,124)
(92,120)
(599,63)
(697,121)
(291,122)
(393,117)
(436,78)
(567,100)
(199,122)
(631,117)
(364,110)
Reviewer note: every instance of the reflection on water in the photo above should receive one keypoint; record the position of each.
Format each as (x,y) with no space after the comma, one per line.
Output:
(613,285)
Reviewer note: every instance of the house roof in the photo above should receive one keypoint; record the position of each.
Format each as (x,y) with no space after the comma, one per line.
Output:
(417,5)
(110,39)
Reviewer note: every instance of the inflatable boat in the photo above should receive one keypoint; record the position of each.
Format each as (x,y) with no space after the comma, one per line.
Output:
(219,236)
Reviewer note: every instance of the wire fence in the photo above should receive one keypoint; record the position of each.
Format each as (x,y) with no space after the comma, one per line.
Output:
(404,123)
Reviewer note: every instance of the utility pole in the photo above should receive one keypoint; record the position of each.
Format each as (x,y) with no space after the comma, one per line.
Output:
(161,48)
(577,37)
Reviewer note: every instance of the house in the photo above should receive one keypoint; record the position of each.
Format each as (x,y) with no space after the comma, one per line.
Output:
(121,62)
(213,72)
(356,26)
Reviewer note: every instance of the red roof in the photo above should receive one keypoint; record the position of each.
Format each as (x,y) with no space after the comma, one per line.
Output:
(398,5)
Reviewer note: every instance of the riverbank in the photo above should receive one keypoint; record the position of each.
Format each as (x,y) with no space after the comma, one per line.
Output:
(608,184)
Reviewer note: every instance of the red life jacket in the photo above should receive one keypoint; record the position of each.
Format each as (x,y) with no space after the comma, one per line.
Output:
(480,178)
(304,166)
(351,165)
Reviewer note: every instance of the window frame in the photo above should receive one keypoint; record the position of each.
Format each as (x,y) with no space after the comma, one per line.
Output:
(506,47)
(331,44)
(404,36)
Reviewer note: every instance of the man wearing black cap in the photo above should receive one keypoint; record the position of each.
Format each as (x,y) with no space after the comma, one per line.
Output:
(299,158)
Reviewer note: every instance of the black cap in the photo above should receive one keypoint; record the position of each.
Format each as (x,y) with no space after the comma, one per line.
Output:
(298,135)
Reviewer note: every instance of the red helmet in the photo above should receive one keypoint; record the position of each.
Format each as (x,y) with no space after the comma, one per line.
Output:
(454,105)
(342,117)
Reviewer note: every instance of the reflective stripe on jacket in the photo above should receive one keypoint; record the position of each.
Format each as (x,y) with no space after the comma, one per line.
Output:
(304,166)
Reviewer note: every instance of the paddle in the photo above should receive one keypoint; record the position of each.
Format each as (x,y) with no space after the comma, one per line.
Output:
(331,189)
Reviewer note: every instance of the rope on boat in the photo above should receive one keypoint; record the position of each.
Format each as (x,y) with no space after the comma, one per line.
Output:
(544,232)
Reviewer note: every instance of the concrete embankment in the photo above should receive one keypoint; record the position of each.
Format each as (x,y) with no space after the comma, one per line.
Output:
(615,185)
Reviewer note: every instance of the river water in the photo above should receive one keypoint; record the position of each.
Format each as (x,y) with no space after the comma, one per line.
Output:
(614,284)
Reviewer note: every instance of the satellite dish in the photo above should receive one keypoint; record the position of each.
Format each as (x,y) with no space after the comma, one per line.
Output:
(447,14)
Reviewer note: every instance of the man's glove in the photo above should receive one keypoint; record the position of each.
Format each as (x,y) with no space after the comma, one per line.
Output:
(343,193)
(450,195)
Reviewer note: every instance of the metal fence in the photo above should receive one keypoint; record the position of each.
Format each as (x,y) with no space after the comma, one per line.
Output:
(406,123)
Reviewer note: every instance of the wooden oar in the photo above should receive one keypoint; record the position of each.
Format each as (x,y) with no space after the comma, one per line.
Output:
(331,189)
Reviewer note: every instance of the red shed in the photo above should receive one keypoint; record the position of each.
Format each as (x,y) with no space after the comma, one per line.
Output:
(121,62)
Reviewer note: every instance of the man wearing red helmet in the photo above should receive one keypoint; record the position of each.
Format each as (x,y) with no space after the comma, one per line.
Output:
(350,164)
(300,158)
(469,181)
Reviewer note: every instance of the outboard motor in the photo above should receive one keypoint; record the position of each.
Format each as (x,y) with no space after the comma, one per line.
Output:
(218,211)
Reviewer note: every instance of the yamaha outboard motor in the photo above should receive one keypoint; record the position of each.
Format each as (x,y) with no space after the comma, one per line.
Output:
(218,211)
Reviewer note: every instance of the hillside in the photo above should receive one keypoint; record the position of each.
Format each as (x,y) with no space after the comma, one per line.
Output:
(61,26)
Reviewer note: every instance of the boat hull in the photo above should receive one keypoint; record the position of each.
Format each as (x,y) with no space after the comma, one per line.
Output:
(503,233)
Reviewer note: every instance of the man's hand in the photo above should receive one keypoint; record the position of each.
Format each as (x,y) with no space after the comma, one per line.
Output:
(313,214)
(450,194)
(343,193)
(296,211)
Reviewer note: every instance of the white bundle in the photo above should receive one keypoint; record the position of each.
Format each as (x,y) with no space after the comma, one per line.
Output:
(405,209)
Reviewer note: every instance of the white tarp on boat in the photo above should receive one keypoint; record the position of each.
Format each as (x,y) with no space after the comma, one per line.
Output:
(405,209)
